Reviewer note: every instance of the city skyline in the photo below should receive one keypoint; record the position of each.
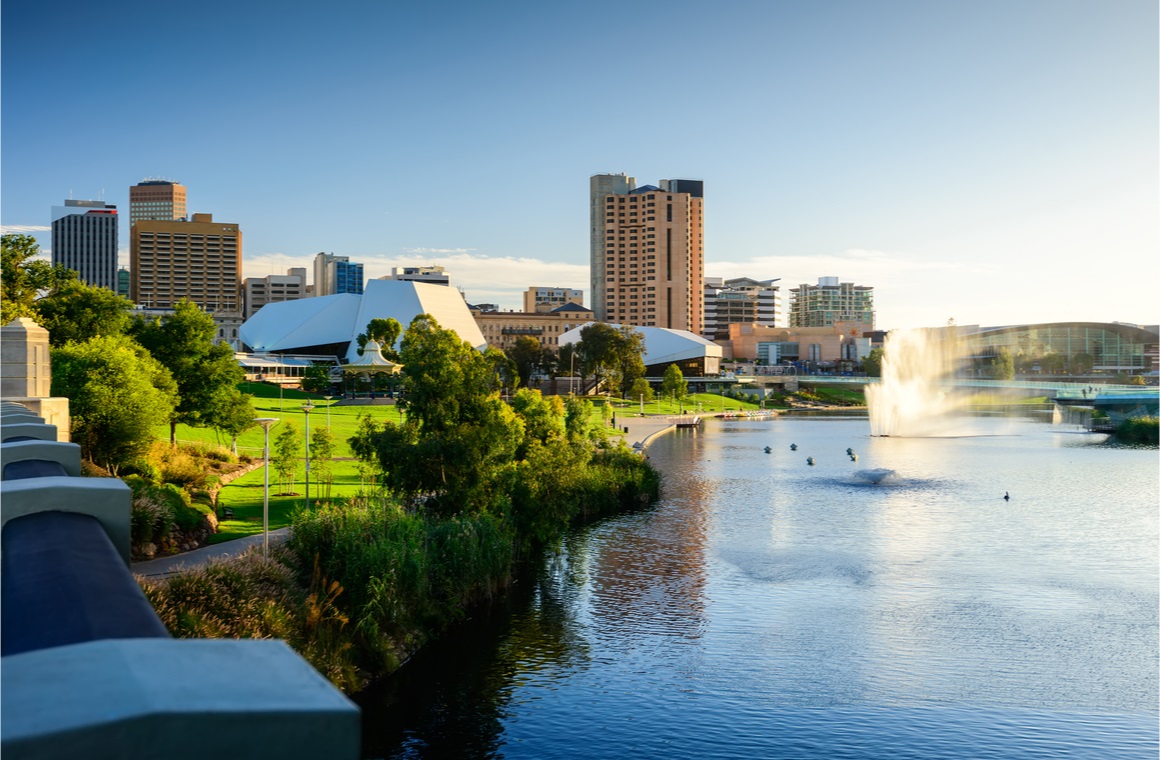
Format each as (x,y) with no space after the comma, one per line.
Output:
(991,163)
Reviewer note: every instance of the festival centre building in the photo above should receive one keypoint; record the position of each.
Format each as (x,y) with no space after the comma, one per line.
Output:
(329,326)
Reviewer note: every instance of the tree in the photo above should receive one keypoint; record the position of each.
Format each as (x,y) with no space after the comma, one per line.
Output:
(594,352)
(449,454)
(385,332)
(317,377)
(1082,363)
(235,417)
(116,394)
(641,390)
(543,417)
(505,374)
(615,352)
(578,417)
(321,454)
(628,357)
(287,452)
(75,312)
(674,383)
(1003,365)
(206,375)
(527,355)
(23,276)
(872,363)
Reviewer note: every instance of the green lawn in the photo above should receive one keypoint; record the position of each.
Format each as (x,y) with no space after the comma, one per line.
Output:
(244,495)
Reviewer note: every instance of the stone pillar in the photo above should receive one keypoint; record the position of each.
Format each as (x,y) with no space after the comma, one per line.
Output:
(26,373)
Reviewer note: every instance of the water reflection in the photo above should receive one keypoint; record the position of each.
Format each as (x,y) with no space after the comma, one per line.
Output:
(770,608)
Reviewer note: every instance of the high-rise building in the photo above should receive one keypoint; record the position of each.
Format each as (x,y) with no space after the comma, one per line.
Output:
(648,252)
(123,282)
(544,300)
(274,288)
(84,239)
(740,299)
(829,302)
(434,275)
(336,274)
(157,199)
(200,260)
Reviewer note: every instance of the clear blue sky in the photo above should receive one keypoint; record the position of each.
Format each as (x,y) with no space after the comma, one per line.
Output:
(993,162)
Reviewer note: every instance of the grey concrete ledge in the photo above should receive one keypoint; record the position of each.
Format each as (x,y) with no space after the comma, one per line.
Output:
(67,455)
(30,429)
(181,698)
(106,499)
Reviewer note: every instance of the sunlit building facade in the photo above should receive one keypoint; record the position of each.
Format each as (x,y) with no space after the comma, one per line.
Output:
(830,302)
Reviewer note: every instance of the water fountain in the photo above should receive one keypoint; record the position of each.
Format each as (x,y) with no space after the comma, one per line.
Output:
(911,400)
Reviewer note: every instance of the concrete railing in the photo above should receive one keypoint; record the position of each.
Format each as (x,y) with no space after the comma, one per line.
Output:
(87,668)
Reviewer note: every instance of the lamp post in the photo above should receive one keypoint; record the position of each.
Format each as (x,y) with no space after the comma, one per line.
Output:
(572,371)
(307,408)
(328,405)
(266,423)
(642,405)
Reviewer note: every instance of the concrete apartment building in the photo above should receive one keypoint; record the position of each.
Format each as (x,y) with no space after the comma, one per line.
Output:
(156,199)
(336,274)
(502,329)
(199,259)
(273,288)
(84,239)
(539,299)
(739,300)
(830,302)
(648,252)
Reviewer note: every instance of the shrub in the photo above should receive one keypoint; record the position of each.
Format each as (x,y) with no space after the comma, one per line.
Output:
(150,517)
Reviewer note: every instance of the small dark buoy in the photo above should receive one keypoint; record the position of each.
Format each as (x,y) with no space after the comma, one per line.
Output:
(810,461)
(853,457)
(1006,496)
(768,449)
(850,452)
(793,447)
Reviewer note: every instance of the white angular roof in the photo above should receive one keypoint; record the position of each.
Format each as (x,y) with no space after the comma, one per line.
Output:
(291,325)
(662,345)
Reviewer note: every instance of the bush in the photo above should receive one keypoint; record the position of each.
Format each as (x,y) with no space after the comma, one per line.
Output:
(150,517)
(1139,430)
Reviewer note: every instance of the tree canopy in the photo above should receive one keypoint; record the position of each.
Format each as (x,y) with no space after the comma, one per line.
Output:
(527,355)
(617,354)
(24,277)
(386,333)
(74,312)
(207,375)
(116,393)
(674,383)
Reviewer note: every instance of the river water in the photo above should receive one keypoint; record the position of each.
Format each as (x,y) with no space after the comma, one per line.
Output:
(890,607)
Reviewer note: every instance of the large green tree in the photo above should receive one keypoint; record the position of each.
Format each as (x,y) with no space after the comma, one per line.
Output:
(24,276)
(235,417)
(449,454)
(628,357)
(872,363)
(116,394)
(207,375)
(75,312)
(527,355)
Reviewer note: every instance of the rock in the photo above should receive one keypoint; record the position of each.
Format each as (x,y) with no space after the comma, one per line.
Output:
(149,550)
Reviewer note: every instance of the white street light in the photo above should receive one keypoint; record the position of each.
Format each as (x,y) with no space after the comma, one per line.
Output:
(307,408)
(266,423)
(328,405)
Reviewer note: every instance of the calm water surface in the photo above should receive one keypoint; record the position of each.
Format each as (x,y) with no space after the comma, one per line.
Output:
(767,608)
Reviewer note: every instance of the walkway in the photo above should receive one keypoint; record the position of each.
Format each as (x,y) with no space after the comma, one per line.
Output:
(166,566)
(642,429)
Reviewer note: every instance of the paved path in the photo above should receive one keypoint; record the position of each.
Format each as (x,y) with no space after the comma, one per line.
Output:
(642,429)
(165,566)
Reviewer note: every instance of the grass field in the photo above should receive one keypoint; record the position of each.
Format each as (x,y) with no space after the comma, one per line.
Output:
(244,495)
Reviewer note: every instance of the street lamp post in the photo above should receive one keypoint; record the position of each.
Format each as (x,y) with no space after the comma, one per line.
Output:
(266,423)
(642,405)
(328,405)
(307,408)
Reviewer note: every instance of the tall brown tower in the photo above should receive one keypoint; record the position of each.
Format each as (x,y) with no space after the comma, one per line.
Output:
(653,256)
(200,260)
(156,199)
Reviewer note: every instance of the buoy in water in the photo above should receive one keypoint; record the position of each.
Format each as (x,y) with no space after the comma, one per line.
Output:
(853,457)
(768,449)
(810,461)
(793,447)
(1006,496)
(850,452)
